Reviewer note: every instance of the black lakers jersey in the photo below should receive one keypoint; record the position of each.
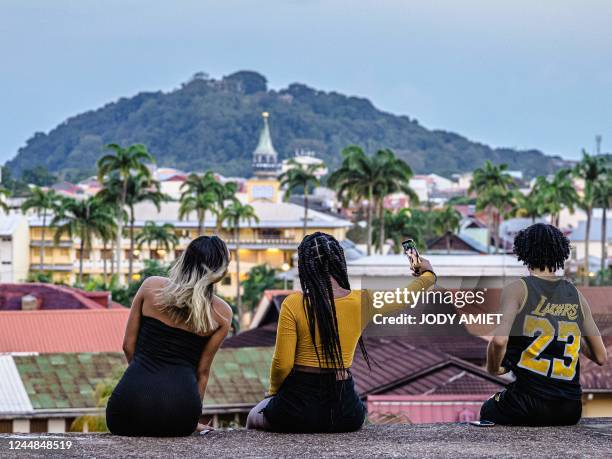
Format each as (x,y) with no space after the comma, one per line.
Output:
(544,344)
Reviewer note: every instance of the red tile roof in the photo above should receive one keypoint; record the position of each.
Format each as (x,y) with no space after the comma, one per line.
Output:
(53,297)
(63,330)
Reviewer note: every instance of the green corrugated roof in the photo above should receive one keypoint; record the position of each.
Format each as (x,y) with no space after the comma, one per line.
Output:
(239,375)
(66,380)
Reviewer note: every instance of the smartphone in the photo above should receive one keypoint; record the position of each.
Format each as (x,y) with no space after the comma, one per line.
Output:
(410,249)
(482,423)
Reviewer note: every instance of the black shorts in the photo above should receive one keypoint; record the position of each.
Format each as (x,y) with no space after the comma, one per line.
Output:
(309,402)
(519,408)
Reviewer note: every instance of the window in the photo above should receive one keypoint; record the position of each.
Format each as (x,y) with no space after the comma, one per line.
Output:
(270,233)
(38,425)
(227,280)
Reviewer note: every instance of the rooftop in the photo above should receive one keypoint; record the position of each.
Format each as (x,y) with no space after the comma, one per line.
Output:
(589,438)
(79,330)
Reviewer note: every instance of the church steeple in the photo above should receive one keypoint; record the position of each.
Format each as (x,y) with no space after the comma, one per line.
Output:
(265,158)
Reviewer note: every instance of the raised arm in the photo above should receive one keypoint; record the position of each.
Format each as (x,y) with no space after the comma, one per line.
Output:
(595,348)
(223,313)
(284,350)
(388,302)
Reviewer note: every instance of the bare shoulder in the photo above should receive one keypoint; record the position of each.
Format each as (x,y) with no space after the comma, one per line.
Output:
(223,310)
(154,282)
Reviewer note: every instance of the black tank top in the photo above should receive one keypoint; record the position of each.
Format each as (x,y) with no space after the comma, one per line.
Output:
(544,346)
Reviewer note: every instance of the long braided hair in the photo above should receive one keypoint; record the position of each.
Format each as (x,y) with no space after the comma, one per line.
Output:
(320,257)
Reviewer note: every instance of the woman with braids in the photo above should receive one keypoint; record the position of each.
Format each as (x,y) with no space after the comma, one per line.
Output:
(546,322)
(174,330)
(311,388)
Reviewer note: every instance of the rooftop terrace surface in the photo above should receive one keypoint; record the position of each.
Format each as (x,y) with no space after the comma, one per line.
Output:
(592,438)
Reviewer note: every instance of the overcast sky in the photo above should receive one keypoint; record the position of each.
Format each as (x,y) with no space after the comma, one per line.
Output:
(518,73)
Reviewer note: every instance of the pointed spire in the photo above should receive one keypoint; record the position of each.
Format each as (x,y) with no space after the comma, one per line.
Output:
(265,146)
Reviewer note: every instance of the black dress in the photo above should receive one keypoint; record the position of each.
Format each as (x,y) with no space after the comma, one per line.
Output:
(158,393)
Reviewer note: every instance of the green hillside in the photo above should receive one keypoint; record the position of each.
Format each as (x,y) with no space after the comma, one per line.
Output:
(209,123)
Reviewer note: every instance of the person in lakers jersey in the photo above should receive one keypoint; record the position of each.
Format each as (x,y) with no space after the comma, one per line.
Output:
(546,324)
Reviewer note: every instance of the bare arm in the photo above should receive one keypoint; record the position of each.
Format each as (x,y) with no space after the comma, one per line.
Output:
(595,348)
(224,317)
(133,323)
(512,299)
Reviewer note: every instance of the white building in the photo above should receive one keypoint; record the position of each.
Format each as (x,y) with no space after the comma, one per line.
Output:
(453,271)
(578,240)
(14,248)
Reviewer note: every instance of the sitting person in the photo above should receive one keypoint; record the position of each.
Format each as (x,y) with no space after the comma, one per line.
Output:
(175,327)
(311,387)
(540,338)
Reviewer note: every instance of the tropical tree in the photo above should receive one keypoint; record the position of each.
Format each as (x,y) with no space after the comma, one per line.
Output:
(43,202)
(204,193)
(556,194)
(362,177)
(123,163)
(261,278)
(4,193)
(200,204)
(603,198)
(234,214)
(446,221)
(160,236)
(407,223)
(492,184)
(83,219)
(530,205)
(394,177)
(300,177)
(140,188)
(592,169)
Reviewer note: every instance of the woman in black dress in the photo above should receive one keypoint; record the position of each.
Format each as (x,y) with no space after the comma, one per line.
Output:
(175,327)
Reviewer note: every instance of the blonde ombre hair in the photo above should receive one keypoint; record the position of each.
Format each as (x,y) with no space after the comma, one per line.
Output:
(188,296)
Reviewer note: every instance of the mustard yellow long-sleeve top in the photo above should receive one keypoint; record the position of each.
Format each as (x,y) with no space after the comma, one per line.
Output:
(354,311)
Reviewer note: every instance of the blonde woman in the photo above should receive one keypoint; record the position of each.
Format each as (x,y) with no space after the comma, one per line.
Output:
(174,330)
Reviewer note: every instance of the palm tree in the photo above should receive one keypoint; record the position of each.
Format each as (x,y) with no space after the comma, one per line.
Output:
(140,188)
(603,199)
(592,170)
(492,184)
(556,194)
(394,177)
(202,193)
(83,219)
(300,176)
(42,202)
(445,222)
(234,214)
(162,236)
(362,177)
(4,193)
(200,204)
(123,163)
(407,223)
(530,205)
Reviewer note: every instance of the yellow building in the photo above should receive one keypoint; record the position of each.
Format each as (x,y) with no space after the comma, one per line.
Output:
(273,240)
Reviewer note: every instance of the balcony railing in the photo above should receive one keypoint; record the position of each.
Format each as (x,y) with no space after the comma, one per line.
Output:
(280,242)
(62,244)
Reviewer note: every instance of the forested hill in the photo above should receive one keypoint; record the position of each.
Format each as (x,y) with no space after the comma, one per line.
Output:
(209,123)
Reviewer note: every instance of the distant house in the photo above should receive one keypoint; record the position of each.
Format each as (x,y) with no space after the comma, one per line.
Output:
(458,244)
(578,240)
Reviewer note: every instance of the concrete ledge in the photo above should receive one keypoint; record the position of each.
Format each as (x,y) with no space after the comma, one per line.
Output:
(591,438)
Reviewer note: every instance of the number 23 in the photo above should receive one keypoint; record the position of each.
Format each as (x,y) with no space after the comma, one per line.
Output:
(530,357)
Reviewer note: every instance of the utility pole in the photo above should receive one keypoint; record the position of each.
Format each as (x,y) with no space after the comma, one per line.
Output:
(598,144)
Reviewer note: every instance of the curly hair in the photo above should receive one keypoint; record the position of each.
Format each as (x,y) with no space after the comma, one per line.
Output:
(542,246)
